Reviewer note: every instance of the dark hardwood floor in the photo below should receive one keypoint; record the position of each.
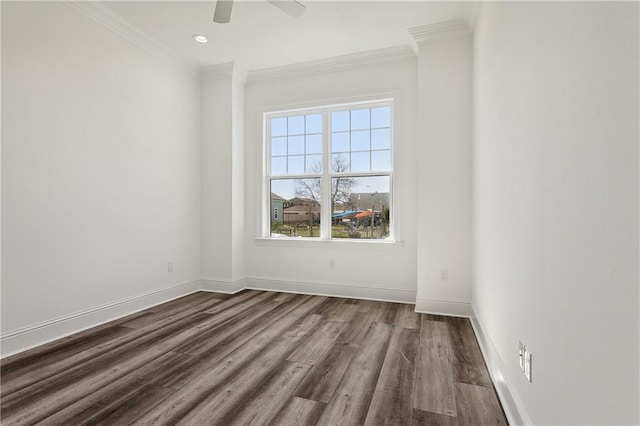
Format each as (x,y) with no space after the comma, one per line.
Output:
(257,358)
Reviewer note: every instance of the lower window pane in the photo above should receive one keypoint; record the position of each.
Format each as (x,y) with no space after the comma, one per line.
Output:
(295,208)
(360,207)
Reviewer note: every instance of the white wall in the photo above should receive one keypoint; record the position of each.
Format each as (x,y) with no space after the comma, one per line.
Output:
(444,175)
(386,271)
(238,177)
(216,253)
(556,204)
(100,167)
(222,254)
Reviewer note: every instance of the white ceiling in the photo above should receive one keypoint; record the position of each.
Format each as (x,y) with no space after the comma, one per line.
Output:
(261,36)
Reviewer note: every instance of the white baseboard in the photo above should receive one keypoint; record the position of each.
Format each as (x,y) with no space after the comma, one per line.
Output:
(222,286)
(455,308)
(20,340)
(318,288)
(511,401)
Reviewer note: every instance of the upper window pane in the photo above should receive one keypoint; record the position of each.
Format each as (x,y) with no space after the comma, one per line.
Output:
(313,123)
(340,142)
(381,117)
(279,166)
(381,139)
(314,144)
(278,146)
(360,119)
(339,121)
(360,140)
(381,160)
(296,165)
(296,145)
(313,164)
(279,126)
(340,163)
(296,125)
(360,161)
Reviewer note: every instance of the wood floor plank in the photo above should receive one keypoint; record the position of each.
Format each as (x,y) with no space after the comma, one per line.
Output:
(434,390)
(299,411)
(343,312)
(42,399)
(323,379)
(265,401)
(318,343)
(392,402)
(337,309)
(184,301)
(407,317)
(478,406)
(425,418)
(252,299)
(241,297)
(230,341)
(232,396)
(131,407)
(107,401)
(257,357)
(357,328)
(229,322)
(192,394)
(96,355)
(386,312)
(432,317)
(16,375)
(367,306)
(350,401)
(467,363)
(151,319)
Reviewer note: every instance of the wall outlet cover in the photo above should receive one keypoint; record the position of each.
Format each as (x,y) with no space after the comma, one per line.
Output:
(527,364)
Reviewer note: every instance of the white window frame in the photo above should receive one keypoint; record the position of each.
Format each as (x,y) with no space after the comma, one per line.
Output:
(264,221)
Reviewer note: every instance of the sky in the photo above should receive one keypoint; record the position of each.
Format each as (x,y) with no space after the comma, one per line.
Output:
(360,140)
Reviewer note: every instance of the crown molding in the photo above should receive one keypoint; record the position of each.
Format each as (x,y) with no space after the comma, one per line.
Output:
(334,64)
(439,30)
(224,70)
(218,71)
(114,22)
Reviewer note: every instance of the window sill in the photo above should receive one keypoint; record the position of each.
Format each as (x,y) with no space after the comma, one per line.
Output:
(329,244)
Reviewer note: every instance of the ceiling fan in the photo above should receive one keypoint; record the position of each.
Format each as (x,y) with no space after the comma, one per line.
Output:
(222,14)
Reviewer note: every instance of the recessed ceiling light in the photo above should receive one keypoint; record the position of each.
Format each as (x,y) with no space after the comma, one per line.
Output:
(200,38)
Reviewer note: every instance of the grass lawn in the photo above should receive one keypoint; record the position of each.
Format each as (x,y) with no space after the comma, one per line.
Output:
(337,231)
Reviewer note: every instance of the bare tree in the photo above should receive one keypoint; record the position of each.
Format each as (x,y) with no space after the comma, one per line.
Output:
(340,186)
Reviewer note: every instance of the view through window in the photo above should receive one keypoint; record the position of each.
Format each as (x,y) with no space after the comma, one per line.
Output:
(329,172)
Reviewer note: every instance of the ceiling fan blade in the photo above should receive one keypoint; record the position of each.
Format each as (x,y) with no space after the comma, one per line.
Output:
(290,7)
(222,14)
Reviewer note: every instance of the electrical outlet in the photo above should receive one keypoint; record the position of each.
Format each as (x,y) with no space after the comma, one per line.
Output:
(444,275)
(170,267)
(527,364)
(521,355)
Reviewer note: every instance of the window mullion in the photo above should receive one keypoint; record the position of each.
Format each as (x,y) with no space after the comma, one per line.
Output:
(325,182)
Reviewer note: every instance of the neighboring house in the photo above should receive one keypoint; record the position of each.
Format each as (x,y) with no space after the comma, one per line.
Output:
(306,213)
(277,208)
(297,202)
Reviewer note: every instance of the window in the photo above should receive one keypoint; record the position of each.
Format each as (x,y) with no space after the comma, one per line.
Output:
(331,170)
